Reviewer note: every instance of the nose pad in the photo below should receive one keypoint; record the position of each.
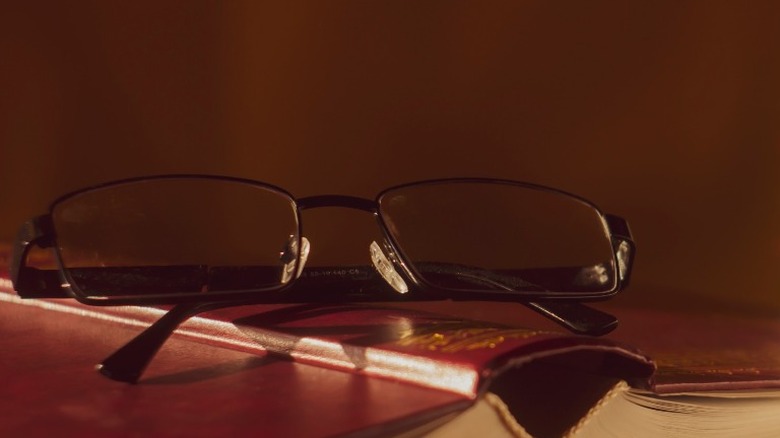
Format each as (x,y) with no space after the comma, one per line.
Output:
(290,254)
(386,269)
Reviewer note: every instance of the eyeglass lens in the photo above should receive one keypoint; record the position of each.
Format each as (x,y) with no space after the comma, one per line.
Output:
(172,236)
(500,237)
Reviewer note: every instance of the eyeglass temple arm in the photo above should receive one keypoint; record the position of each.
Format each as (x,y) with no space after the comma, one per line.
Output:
(32,282)
(618,227)
(129,362)
(577,317)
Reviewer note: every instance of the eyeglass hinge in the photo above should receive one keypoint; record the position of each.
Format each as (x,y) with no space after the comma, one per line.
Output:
(32,282)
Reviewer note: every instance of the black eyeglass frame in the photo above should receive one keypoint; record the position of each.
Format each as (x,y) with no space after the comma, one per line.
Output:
(35,283)
(128,363)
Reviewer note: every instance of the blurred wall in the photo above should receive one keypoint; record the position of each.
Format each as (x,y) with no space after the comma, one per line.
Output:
(664,112)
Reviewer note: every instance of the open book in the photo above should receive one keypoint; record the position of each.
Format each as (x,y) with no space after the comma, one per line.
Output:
(718,376)
(708,377)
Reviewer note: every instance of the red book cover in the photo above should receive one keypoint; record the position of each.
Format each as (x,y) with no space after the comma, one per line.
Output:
(705,350)
(422,348)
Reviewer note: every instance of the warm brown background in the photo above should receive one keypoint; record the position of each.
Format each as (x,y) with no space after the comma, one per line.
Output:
(665,112)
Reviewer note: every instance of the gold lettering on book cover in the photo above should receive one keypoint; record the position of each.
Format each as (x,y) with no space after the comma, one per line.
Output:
(458,336)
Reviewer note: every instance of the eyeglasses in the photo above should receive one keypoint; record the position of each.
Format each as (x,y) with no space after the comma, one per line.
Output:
(211,241)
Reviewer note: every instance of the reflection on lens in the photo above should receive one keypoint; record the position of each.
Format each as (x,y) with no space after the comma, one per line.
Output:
(487,236)
(176,236)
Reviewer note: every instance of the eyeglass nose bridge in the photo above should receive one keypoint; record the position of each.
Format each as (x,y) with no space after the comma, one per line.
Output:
(383,265)
(343,201)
